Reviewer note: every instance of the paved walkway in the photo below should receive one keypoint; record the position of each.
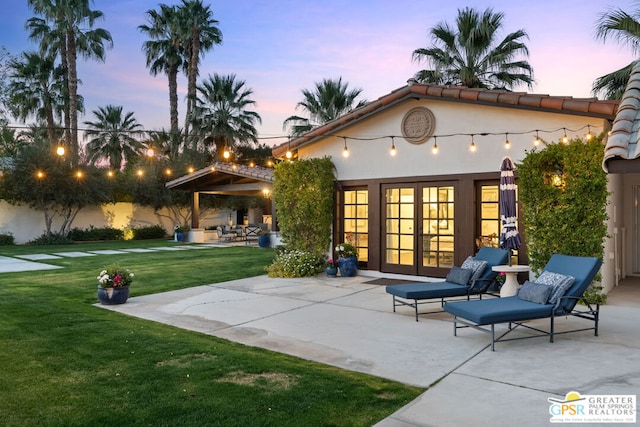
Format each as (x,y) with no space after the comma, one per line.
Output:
(349,323)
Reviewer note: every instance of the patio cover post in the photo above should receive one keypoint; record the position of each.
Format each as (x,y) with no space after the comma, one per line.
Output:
(195,209)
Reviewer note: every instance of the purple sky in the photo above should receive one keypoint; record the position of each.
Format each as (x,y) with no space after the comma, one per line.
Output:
(281,47)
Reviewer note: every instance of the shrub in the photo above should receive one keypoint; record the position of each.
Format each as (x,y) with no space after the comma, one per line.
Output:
(295,263)
(6,239)
(92,234)
(52,239)
(149,232)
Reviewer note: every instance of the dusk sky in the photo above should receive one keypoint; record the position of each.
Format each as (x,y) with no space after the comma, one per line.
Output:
(281,47)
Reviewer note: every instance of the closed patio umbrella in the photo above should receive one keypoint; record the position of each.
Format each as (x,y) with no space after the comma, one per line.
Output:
(509,236)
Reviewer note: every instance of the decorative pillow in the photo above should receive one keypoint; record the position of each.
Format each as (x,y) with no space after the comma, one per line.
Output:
(559,283)
(535,292)
(458,275)
(476,265)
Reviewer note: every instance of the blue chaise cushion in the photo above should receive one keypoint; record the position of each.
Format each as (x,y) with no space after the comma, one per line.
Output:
(460,276)
(559,284)
(498,310)
(534,292)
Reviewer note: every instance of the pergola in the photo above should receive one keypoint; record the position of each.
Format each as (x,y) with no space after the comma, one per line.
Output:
(224,178)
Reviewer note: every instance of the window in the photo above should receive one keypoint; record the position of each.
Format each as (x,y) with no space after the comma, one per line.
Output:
(356,221)
(437,226)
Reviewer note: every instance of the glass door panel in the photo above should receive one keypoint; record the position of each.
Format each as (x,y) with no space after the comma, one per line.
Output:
(399,233)
(438,225)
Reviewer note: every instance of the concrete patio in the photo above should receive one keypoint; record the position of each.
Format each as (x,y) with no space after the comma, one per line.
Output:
(349,323)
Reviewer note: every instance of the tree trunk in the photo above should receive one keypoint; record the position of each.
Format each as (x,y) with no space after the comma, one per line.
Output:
(67,113)
(192,76)
(73,95)
(173,98)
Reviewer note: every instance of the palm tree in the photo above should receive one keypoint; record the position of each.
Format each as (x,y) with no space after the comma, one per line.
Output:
(200,34)
(67,29)
(470,55)
(329,100)
(222,115)
(37,89)
(626,29)
(112,136)
(167,143)
(165,52)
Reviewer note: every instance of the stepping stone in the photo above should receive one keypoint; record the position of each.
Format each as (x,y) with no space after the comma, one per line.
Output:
(74,254)
(38,257)
(139,250)
(12,265)
(171,248)
(108,252)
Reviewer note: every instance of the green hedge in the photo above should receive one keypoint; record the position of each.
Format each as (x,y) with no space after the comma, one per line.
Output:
(93,234)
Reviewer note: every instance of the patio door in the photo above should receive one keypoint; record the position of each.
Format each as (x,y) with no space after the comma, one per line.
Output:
(418,235)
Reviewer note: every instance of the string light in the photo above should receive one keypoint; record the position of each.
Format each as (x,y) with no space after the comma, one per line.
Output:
(110,174)
(150,152)
(60,150)
(565,138)
(226,153)
(139,172)
(393,147)
(251,164)
(40,174)
(79,174)
(345,151)
(507,144)
(472,147)
(289,154)
(167,172)
(434,150)
(190,169)
(589,135)
(537,141)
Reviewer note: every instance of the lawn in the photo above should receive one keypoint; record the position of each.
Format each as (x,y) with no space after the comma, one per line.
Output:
(66,362)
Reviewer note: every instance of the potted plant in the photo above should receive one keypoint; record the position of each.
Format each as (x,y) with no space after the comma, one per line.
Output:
(181,232)
(113,284)
(332,268)
(264,239)
(347,259)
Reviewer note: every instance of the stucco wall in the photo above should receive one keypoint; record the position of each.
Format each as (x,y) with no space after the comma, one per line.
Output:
(371,159)
(26,224)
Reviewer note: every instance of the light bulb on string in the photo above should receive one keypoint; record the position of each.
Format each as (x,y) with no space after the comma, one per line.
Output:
(565,138)
(110,174)
(537,141)
(589,135)
(472,147)
(507,144)
(79,174)
(393,151)
(150,152)
(190,169)
(289,154)
(345,151)
(140,172)
(60,150)
(226,153)
(434,150)
(167,172)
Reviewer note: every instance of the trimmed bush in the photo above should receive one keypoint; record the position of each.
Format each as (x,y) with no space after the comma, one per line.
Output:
(52,239)
(149,232)
(6,239)
(94,234)
(295,263)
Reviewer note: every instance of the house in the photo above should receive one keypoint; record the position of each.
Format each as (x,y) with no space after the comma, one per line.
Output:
(433,202)
(622,163)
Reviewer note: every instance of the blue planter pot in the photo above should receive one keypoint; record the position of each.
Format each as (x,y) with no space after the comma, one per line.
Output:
(332,271)
(112,296)
(348,266)
(264,241)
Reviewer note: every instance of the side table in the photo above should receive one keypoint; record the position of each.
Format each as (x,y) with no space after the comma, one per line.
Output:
(511,285)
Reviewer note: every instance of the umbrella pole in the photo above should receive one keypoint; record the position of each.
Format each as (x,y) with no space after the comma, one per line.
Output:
(510,260)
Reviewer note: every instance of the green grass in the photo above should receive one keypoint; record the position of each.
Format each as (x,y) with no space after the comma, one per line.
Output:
(65,362)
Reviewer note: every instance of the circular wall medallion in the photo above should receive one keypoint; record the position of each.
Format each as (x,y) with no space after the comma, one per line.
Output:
(418,125)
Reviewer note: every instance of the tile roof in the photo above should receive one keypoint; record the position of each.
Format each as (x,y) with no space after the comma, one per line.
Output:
(591,107)
(622,142)
(224,174)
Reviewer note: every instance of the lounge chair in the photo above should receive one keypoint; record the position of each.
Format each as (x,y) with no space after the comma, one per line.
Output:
(415,294)
(531,303)
(252,233)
